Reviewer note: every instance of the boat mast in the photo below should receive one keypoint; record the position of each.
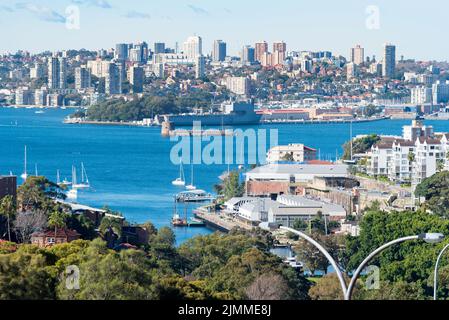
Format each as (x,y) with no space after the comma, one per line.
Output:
(25,164)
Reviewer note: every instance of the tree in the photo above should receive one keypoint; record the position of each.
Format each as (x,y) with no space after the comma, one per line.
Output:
(267,287)
(8,209)
(27,223)
(311,257)
(360,145)
(436,192)
(57,220)
(232,186)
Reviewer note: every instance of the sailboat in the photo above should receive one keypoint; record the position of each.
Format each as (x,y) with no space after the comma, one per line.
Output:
(64,183)
(24,175)
(181,181)
(191,186)
(72,194)
(84,179)
(36,173)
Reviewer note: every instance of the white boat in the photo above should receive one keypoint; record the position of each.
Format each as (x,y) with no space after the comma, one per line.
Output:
(84,179)
(181,181)
(24,175)
(72,194)
(191,186)
(64,183)
(39,112)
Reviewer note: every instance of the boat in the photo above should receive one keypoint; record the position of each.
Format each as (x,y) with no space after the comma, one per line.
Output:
(177,221)
(72,194)
(39,112)
(64,183)
(24,175)
(191,186)
(84,179)
(194,196)
(196,223)
(181,181)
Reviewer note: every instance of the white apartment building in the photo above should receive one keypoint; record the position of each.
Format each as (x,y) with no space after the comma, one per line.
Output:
(380,157)
(427,155)
(440,92)
(238,85)
(421,95)
(299,153)
(400,165)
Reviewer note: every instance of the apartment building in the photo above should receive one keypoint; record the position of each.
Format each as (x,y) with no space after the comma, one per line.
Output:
(429,153)
(401,161)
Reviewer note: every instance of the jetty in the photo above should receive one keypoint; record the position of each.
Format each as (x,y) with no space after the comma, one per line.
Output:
(218,220)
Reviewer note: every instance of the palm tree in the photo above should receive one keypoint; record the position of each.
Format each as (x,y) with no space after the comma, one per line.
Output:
(8,209)
(57,220)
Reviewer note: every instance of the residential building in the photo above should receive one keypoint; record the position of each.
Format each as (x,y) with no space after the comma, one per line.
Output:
(248,55)
(57,73)
(380,157)
(136,78)
(351,70)
(417,130)
(159,70)
(440,92)
(193,48)
(82,78)
(429,152)
(122,51)
(400,165)
(421,95)
(50,238)
(112,79)
(40,97)
(238,85)
(298,152)
(24,96)
(357,55)
(389,61)
(38,71)
(261,48)
(159,47)
(200,67)
(219,51)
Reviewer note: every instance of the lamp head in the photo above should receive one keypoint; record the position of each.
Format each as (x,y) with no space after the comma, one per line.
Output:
(432,238)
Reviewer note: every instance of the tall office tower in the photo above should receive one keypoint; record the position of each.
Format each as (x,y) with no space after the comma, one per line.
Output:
(200,67)
(357,55)
(82,78)
(248,54)
(112,78)
(121,51)
(261,49)
(193,48)
(219,52)
(389,62)
(136,78)
(159,47)
(57,73)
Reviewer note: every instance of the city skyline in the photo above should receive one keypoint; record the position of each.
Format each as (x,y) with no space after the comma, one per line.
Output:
(334,27)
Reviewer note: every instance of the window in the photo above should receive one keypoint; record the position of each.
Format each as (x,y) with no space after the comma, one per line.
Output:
(51,240)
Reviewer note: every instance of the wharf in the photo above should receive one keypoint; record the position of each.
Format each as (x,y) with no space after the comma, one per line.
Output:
(219,221)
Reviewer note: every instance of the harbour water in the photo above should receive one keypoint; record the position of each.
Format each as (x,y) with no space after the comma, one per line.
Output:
(129,167)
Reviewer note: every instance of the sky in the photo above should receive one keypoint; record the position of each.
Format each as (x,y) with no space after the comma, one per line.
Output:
(418,31)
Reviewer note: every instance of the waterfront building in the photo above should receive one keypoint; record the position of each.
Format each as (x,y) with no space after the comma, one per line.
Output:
(380,157)
(159,47)
(261,48)
(40,97)
(389,61)
(24,96)
(136,79)
(239,85)
(82,78)
(440,92)
(193,48)
(400,164)
(200,67)
(219,51)
(122,51)
(357,55)
(417,130)
(421,95)
(427,155)
(52,237)
(54,100)
(298,152)
(248,55)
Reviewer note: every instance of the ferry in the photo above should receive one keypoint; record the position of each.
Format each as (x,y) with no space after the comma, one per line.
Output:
(194,196)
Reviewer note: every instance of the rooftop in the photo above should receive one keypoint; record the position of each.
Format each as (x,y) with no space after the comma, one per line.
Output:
(292,169)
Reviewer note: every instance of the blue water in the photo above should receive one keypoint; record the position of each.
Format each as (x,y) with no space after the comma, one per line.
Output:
(129,167)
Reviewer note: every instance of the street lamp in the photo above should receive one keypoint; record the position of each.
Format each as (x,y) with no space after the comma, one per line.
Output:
(435,276)
(324,252)
(431,238)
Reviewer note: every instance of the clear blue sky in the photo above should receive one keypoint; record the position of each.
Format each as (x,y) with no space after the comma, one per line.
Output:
(418,30)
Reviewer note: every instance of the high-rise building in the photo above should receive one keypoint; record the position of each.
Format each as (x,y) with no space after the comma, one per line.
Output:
(122,51)
(351,70)
(261,49)
(24,96)
(421,95)
(37,71)
(248,54)
(389,61)
(200,67)
(357,55)
(280,47)
(40,97)
(193,48)
(136,77)
(57,73)
(440,92)
(112,78)
(219,52)
(159,47)
(159,70)
(82,78)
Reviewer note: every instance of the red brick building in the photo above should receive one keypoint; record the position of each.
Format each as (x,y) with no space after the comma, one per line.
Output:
(49,238)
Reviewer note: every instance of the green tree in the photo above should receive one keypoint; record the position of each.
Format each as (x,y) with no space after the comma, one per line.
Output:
(8,210)
(360,145)
(436,192)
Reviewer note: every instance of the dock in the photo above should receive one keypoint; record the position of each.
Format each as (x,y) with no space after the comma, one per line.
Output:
(219,221)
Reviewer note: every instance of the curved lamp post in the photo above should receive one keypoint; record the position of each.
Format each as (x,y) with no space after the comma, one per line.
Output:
(326,254)
(435,276)
(432,238)
(427,237)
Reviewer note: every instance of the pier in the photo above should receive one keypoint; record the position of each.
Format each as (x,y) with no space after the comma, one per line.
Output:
(219,221)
